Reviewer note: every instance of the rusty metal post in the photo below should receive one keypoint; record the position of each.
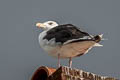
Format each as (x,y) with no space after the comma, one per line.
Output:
(42,73)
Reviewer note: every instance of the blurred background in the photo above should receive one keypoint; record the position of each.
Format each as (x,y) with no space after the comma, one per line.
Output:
(20,53)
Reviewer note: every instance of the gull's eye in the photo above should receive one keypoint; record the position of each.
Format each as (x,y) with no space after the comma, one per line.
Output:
(50,23)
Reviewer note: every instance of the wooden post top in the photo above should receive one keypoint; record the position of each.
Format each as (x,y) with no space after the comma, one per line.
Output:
(66,73)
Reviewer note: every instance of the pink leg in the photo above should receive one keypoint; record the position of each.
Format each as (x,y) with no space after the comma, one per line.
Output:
(58,60)
(70,62)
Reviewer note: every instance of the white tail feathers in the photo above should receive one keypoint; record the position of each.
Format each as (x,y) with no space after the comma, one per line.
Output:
(97,44)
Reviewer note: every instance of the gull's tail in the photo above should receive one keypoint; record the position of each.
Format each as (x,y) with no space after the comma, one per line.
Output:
(98,38)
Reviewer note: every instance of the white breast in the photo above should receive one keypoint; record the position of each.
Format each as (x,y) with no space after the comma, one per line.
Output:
(49,46)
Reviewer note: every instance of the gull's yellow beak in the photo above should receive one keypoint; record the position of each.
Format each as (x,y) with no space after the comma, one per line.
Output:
(40,25)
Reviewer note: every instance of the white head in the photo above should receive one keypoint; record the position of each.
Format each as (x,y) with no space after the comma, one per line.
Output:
(47,25)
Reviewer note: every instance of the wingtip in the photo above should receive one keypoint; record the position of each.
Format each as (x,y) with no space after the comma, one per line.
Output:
(104,39)
(101,35)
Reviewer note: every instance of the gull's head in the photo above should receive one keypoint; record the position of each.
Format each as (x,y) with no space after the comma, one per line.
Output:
(47,25)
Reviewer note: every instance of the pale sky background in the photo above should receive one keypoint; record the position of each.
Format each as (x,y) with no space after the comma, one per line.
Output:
(20,53)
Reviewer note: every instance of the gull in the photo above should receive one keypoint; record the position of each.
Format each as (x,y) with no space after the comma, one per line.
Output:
(66,41)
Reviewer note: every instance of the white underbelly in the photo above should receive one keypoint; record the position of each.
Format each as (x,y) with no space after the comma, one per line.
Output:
(74,49)
(69,50)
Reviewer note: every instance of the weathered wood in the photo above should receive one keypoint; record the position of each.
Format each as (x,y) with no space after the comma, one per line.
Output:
(66,73)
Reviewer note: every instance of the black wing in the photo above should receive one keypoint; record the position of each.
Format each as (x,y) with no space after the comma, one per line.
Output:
(63,33)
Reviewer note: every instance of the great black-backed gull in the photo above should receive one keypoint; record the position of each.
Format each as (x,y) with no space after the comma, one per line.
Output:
(66,41)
